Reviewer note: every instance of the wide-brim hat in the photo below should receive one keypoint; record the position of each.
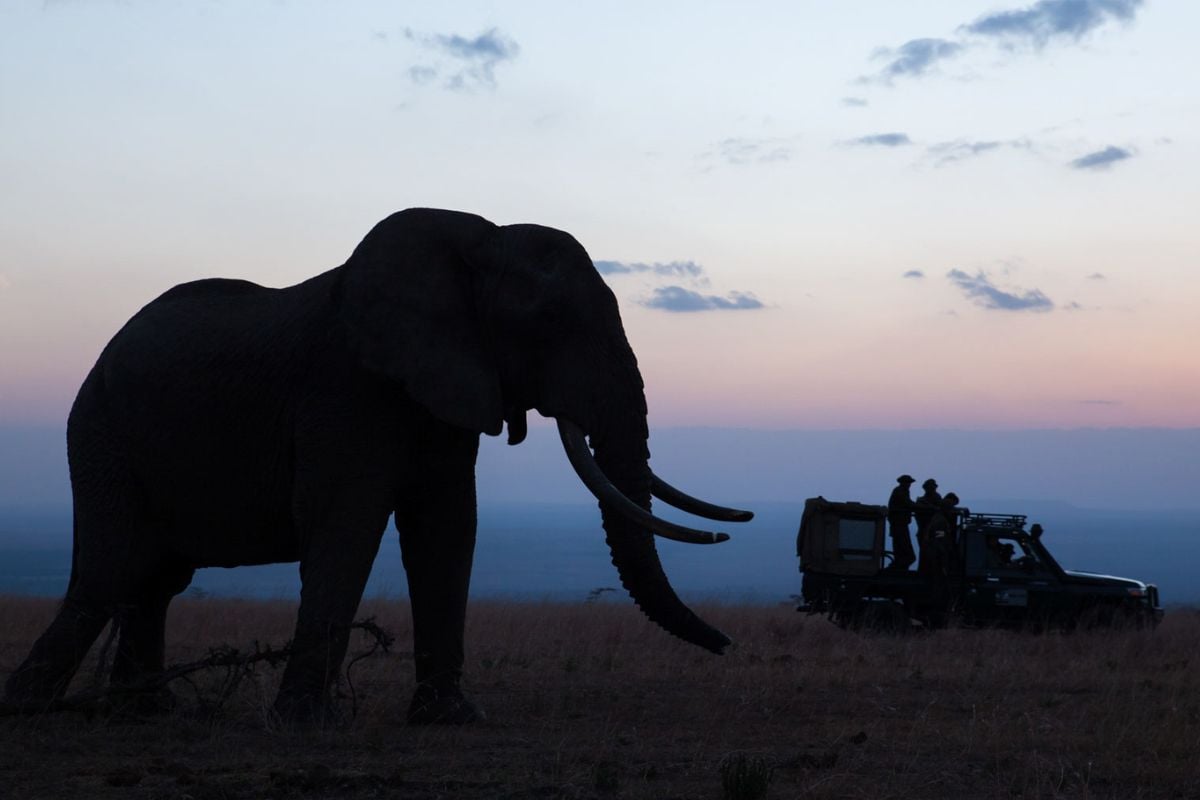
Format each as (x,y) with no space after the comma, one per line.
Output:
(906,479)
(930,483)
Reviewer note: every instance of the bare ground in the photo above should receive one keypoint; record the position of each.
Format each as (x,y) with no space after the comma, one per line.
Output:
(591,701)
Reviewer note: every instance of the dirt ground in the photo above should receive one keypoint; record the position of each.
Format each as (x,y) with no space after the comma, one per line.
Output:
(592,701)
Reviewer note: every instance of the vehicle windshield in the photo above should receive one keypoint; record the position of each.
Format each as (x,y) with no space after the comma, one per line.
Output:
(1010,552)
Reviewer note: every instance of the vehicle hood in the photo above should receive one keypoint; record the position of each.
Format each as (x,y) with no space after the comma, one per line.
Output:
(1094,579)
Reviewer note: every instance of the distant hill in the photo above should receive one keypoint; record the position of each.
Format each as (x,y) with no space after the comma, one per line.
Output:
(1135,469)
(540,550)
(1119,468)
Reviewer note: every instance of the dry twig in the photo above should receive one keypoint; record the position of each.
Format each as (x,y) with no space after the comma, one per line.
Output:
(237,664)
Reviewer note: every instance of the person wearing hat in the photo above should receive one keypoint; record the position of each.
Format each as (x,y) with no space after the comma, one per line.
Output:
(925,507)
(899,513)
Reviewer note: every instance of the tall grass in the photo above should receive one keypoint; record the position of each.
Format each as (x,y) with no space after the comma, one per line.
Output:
(589,699)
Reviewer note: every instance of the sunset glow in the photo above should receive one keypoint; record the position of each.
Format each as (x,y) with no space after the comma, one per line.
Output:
(811,219)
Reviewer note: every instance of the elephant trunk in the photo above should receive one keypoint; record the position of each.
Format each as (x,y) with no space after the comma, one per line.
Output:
(622,455)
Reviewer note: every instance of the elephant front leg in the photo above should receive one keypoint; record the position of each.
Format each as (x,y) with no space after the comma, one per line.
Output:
(437,542)
(334,569)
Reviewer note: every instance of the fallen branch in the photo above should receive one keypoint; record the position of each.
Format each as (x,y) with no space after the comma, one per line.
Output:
(239,665)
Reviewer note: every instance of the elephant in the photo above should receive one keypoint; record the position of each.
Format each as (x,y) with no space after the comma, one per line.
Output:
(230,424)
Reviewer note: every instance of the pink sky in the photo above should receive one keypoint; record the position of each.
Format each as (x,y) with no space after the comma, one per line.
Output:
(1037,189)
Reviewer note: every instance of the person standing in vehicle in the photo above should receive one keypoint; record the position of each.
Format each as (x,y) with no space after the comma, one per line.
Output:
(941,536)
(925,507)
(900,512)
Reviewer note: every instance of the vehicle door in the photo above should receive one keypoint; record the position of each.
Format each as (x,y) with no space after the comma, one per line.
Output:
(1007,582)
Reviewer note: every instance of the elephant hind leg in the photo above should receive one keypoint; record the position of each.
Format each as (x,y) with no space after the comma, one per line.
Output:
(140,648)
(45,674)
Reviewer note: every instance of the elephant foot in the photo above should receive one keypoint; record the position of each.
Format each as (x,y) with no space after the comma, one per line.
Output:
(433,706)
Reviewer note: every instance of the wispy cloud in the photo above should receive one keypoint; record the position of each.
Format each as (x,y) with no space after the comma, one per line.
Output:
(914,58)
(677,298)
(984,293)
(944,153)
(1050,19)
(422,75)
(462,63)
(1097,276)
(881,140)
(741,151)
(1100,402)
(854,102)
(1101,159)
(1032,26)
(672,269)
(913,273)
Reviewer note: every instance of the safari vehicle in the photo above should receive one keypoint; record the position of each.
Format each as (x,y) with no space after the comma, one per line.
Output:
(989,571)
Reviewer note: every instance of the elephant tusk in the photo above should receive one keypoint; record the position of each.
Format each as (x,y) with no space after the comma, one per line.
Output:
(685,502)
(580,456)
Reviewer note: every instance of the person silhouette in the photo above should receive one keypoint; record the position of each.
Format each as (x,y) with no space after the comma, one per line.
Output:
(899,514)
(925,507)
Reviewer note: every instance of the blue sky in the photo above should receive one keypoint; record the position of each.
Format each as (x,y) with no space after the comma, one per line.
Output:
(815,215)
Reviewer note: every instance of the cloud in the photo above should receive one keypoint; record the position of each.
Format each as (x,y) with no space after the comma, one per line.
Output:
(914,58)
(679,299)
(913,273)
(854,102)
(422,75)
(1101,159)
(465,64)
(671,269)
(1049,19)
(980,288)
(882,140)
(1100,402)
(1097,276)
(1033,26)
(944,153)
(674,297)
(741,151)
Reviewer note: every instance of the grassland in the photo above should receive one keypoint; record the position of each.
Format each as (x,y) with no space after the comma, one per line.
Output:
(589,700)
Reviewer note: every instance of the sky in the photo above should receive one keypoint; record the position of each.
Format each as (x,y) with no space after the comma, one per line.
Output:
(819,216)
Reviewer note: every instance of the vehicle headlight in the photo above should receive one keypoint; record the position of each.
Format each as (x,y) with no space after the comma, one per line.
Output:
(1136,591)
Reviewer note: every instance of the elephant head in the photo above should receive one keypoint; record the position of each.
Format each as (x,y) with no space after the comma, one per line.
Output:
(481,323)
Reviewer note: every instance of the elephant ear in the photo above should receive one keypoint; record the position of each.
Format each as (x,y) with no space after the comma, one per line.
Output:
(407,303)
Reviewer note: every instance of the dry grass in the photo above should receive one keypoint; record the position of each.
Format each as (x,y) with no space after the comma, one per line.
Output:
(589,700)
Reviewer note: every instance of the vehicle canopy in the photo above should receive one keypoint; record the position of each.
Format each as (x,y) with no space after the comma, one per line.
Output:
(841,538)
